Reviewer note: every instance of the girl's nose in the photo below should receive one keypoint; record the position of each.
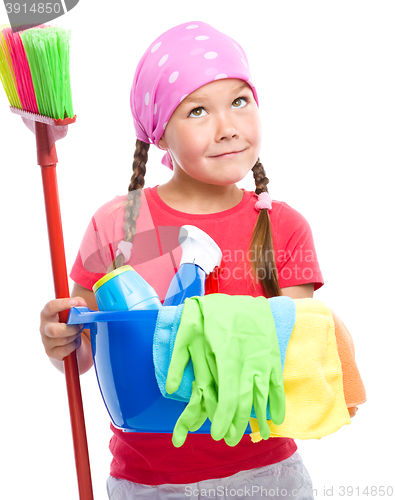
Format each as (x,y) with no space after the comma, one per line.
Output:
(225,128)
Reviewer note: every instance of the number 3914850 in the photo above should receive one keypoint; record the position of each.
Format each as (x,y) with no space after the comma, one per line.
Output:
(36,8)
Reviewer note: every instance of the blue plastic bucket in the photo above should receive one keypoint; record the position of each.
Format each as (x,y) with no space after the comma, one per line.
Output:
(122,355)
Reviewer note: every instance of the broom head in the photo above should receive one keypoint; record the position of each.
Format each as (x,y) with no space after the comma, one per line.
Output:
(34,70)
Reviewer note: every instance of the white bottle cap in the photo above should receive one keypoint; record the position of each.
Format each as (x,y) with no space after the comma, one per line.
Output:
(199,248)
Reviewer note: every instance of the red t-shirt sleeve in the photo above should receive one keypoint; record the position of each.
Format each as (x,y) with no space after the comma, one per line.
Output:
(99,244)
(296,258)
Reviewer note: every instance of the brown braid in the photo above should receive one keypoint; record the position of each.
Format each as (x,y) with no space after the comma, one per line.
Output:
(132,208)
(261,244)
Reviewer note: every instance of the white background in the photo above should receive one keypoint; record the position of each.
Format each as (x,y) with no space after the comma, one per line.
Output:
(325,77)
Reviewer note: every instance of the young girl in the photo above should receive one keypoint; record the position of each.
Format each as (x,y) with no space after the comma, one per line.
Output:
(193,97)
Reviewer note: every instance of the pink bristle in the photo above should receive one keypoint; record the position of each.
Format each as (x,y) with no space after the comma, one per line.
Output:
(24,83)
(28,89)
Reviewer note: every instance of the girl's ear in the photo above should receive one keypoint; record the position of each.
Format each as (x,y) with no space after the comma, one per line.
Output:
(163,143)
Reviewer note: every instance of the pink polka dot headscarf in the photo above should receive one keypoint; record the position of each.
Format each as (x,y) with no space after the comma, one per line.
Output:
(177,63)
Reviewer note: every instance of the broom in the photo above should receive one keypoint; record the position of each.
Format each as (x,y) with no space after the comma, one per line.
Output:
(34,70)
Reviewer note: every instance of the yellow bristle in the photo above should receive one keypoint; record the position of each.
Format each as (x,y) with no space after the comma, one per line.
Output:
(7,75)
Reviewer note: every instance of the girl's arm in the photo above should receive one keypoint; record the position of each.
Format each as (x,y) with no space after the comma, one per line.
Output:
(299,291)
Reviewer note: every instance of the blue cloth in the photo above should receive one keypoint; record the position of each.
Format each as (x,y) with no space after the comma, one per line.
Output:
(165,333)
(284,315)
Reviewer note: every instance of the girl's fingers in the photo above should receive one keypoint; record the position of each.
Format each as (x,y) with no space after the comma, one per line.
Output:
(60,330)
(60,339)
(57,346)
(60,352)
(53,307)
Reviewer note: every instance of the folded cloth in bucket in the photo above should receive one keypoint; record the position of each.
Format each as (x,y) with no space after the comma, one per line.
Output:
(283,310)
(313,378)
(354,390)
(166,328)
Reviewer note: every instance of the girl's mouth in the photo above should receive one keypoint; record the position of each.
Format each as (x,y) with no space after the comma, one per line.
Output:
(230,154)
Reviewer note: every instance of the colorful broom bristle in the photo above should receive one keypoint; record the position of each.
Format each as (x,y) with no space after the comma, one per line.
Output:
(7,74)
(40,65)
(21,69)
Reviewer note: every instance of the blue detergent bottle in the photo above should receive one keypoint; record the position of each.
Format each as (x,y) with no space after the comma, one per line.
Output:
(125,290)
(200,255)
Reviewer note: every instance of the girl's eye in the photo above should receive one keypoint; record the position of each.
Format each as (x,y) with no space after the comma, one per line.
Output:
(197,113)
(240,102)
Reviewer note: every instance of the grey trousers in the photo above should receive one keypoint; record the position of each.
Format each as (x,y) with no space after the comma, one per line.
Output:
(288,479)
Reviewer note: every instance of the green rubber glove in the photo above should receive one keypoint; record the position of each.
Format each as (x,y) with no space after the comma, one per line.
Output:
(234,349)
(244,357)
(190,344)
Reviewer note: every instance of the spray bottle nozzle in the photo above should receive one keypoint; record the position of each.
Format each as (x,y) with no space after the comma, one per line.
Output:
(200,256)
(199,248)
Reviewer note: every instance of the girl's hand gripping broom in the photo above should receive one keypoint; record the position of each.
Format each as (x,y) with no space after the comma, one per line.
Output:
(34,69)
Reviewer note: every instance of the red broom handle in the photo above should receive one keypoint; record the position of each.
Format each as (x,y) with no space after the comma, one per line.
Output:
(47,160)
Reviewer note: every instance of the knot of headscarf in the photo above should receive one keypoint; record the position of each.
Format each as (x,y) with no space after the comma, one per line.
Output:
(177,63)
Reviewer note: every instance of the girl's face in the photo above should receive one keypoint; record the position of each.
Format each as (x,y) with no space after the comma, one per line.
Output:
(214,135)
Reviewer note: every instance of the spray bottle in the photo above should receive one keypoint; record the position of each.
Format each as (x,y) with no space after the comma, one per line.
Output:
(200,256)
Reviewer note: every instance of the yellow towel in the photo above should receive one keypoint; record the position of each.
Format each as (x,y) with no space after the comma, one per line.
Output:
(313,380)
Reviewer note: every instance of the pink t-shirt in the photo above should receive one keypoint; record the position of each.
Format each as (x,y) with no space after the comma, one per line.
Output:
(156,253)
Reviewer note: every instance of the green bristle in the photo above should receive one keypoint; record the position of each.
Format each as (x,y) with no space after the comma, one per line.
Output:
(47,50)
